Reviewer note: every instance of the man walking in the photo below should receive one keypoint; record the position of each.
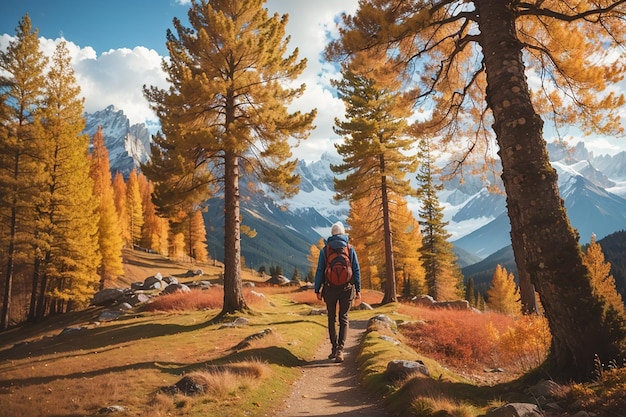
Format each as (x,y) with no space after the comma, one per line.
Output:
(338,281)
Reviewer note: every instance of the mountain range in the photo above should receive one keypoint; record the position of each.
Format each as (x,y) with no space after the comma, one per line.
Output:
(593,189)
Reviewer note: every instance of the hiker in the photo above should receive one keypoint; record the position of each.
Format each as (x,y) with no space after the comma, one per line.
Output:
(347,277)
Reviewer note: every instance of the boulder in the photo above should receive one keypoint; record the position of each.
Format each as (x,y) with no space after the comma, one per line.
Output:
(400,369)
(172,288)
(107,296)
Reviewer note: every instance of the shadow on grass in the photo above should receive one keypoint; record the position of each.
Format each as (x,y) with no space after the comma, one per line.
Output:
(458,392)
(96,338)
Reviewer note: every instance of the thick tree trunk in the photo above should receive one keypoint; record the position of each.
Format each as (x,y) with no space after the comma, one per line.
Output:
(233,290)
(543,240)
(390,270)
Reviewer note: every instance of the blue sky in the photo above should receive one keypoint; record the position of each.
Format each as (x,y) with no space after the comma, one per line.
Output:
(117,47)
(103,24)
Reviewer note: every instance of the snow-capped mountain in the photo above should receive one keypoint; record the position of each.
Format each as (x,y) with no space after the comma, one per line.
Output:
(128,146)
(594,190)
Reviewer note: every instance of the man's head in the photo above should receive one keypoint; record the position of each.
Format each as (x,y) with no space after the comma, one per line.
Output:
(337,229)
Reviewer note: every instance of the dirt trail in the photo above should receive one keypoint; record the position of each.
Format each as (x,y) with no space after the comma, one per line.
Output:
(327,388)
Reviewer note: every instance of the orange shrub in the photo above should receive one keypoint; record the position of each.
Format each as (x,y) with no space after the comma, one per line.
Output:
(463,338)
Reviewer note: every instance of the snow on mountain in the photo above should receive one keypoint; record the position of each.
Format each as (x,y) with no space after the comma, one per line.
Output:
(128,146)
(594,190)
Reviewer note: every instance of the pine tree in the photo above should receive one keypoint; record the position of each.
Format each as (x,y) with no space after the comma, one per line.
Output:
(226,106)
(374,147)
(602,281)
(134,208)
(503,294)
(109,235)
(21,171)
(443,276)
(66,269)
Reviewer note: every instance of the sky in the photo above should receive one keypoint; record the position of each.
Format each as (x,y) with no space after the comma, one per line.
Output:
(117,47)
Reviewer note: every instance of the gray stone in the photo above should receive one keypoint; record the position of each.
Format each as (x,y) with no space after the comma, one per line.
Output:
(516,410)
(107,296)
(399,369)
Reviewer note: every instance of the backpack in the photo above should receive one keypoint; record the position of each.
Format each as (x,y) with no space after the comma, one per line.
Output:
(338,271)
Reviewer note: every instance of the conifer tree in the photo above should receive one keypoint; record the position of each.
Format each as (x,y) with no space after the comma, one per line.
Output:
(470,292)
(602,281)
(109,235)
(65,273)
(362,223)
(469,60)
(226,110)
(134,208)
(22,68)
(443,275)
(121,206)
(155,228)
(407,243)
(197,237)
(313,258)
(503,294)
(373,148)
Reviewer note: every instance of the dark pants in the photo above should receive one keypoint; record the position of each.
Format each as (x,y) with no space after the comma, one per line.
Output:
(343,297)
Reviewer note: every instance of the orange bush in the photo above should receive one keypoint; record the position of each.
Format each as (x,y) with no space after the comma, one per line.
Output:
(463,338)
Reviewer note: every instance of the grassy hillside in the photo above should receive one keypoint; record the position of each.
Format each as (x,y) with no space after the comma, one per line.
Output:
(247,369)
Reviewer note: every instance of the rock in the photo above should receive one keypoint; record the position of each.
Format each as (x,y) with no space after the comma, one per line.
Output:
(69,330)
(400,369)
(153,283)
(112,409)
(364,306)
(383,321)
(107,296)
(170,280)
(516,410)
(546,389)
(109,315)
(390,340)
(423,300)
(172,288)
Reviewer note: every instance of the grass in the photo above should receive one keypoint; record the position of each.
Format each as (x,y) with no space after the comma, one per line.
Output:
(131,361)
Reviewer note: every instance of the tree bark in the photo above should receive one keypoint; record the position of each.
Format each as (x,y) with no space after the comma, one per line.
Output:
(233,289)
(543,240)
(390,276)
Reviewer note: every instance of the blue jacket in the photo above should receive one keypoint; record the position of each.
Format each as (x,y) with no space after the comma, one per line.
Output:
(337,241)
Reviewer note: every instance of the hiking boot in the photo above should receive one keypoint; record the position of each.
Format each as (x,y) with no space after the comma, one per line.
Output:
(339,356)
(333,354)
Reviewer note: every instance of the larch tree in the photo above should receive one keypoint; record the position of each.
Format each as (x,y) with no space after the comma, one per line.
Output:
(67,256)
(196,237)
(134,208)
(22,66)
(226,110)
(410,273)
(374,147)
(602,281)
(503,294)
(154,233)
(362,222)
(119,196)
(443,275)
(469,60)
(109,234)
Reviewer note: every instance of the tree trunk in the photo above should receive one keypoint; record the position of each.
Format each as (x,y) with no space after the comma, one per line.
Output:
(543,240)
(390,275)
(233,290)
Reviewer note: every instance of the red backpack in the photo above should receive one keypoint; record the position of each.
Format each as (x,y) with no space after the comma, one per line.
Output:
(338,271)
